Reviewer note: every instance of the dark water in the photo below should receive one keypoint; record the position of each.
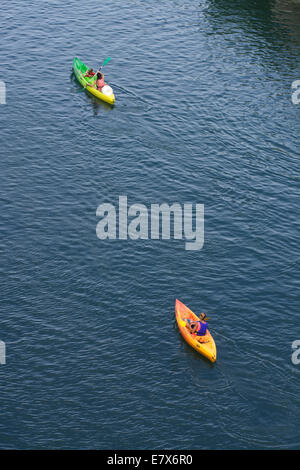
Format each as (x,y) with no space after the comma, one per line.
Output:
(203,115)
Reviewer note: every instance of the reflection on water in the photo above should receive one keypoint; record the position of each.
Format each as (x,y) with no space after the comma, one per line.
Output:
(98,105)
(287,13)
(262,14)
(270,28)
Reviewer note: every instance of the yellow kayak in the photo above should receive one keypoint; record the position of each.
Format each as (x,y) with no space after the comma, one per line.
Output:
(204,345)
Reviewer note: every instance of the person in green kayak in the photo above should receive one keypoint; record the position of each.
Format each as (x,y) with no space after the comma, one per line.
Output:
(90,73)
(199,327)
(100,83)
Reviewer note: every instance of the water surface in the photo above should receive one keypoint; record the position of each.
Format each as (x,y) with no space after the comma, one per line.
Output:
(203,114)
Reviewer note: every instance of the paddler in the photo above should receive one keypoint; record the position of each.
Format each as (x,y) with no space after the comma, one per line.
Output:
(90,73)
(199,327)
(100,83)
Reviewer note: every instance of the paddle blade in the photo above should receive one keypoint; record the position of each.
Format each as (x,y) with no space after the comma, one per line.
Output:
(106,61)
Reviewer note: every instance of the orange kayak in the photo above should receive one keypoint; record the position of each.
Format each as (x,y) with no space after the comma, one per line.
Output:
(205,345)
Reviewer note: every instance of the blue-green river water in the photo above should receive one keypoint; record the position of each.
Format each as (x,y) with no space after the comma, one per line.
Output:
(203,115)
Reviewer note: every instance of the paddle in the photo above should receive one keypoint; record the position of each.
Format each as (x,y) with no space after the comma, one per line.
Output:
(105,62)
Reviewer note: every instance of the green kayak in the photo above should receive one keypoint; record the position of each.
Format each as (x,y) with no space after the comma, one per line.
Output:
(80,70)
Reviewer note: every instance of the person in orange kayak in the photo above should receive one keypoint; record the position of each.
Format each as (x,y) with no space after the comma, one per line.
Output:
(199,327)
(90,73)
